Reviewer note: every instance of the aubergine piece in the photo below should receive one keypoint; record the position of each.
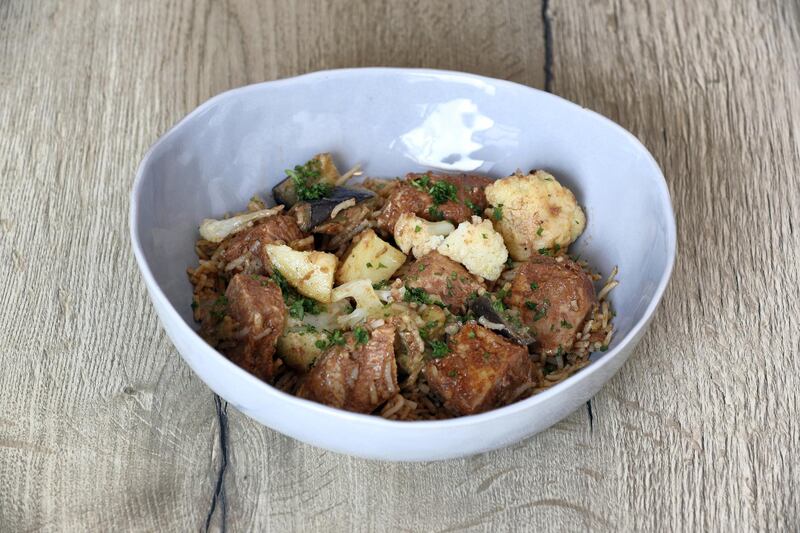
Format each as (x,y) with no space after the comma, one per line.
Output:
(311,181)
(484,307)
(313,213)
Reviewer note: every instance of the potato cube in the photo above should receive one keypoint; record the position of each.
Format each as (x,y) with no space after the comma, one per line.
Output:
(370,258)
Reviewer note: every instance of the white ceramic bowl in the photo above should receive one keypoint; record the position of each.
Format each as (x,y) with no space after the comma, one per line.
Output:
(394,121)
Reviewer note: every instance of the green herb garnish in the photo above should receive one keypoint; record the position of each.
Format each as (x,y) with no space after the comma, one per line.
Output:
(298,305)
(335,338)
(497,212)
(361,335)
(304,177)
(442,191)
(419,295)
(435,212)
(475,209)
(438,349)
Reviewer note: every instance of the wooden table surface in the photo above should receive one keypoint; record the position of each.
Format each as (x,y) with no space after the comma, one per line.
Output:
(103,427)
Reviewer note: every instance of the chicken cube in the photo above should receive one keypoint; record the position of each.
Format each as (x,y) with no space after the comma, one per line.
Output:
(444,279)
(256,304)
(244,251)
(554,297)
(482,371)
(435,197)
(356,376)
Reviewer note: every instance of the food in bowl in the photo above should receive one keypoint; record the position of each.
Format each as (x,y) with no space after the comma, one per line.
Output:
(428,297)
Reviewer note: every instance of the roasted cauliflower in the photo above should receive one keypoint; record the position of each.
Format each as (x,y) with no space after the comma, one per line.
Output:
(417,235)
(478,247)
(311,273)
(534,212)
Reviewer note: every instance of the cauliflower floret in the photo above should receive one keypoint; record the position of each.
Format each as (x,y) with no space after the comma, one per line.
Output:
(367,302)
(478,247)
(311,273)
(419,236)
(534,212)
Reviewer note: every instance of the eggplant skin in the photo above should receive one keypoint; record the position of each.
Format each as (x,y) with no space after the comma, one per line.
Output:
(313,213)
(285,193)
(482,307)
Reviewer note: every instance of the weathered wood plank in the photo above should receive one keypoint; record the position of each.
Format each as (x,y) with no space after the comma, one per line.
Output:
(700,425)
(103,427)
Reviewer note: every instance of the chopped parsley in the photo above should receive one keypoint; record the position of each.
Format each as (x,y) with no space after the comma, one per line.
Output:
(534,285)
(417,229)
(194,305)
(304,177)
(440,191)
(298,305)
(566,325)
(438,349)
(381,265)
(369,265)
(361,335)
(539,231)
(380,285)
(498,305)
(425,331)
(531,305)
(604,347)
(422,183)
(419,295)
(475,209)
(471,334)
(452,373)
(335,338)
(484,236)
(497,212)
(542,310)
(219,307)
(545,251)
(435,212)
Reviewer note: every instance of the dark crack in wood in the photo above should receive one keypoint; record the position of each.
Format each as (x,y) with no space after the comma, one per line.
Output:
(218,499)
(548,46)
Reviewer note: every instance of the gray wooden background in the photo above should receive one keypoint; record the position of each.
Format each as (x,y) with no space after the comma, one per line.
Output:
(102,427)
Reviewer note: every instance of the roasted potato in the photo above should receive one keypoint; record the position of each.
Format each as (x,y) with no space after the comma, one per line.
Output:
(370,258)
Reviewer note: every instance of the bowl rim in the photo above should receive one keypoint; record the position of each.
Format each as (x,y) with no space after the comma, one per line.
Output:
(162,302)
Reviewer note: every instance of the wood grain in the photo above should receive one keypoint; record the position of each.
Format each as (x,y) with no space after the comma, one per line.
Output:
(103,427)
